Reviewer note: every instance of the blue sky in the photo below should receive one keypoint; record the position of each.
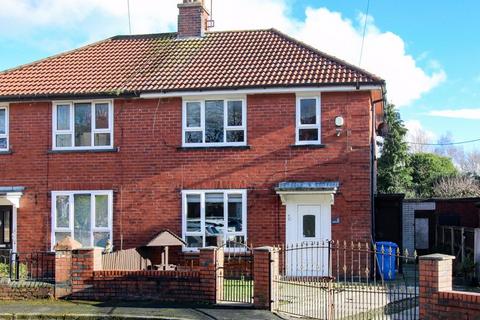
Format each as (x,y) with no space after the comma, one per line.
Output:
(433,44)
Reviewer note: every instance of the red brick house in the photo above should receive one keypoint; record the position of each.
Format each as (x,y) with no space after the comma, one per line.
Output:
(245,135)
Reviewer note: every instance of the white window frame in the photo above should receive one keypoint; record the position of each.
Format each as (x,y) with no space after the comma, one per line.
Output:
(6,135)
(202,193)
(317,125)
(226,127)
(71,131)
(93,227)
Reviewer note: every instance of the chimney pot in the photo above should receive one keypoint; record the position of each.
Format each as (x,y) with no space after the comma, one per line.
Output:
(192,19)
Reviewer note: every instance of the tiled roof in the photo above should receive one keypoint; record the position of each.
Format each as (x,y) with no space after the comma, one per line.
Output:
(161,62)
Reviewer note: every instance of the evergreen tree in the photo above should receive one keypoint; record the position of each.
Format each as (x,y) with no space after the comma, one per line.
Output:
(427,170)
(393,167)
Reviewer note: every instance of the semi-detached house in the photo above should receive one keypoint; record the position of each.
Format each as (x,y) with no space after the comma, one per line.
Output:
(247,136)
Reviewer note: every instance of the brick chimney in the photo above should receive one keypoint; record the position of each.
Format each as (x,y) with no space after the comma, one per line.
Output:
(192,19)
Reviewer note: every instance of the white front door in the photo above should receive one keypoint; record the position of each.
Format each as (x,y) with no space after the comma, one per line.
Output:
(308,231)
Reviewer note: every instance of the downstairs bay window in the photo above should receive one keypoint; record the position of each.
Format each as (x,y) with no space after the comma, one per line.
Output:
(86,216)
(214,216)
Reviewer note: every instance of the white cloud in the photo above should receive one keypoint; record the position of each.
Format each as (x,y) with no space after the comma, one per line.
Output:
(469,114)
(94,18)
(415,126)
(384,53)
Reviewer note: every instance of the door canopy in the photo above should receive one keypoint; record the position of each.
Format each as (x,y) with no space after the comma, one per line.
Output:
(291,190)
(12,195)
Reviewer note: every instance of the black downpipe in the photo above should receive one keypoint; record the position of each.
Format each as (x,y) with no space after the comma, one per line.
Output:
(372,160)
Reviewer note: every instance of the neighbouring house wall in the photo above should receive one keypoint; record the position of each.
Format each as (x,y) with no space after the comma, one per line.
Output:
(437,299)
(463,210)
(409,208)
(150,168)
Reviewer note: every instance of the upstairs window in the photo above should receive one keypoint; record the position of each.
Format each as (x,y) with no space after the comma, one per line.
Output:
(308,120)
(83,125)
(214,123)
(3,128)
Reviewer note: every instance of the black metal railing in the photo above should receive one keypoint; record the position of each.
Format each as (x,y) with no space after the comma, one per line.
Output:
(346,280)
(34,266)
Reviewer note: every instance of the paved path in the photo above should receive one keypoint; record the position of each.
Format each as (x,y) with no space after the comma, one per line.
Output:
(123,310)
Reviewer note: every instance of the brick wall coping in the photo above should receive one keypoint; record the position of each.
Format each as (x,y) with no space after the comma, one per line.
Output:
(461,295)
(266,248)
(436,257)
(145,273)
(208,248)
(79,249)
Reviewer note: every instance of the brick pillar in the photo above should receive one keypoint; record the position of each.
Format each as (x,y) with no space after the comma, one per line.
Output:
(63,273)
(84,262)
(435,275)
(265,270)
(82,273)
(211,273)
(63,267)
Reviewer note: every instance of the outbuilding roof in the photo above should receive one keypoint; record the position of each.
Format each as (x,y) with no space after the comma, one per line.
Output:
(130,65)
(166,238)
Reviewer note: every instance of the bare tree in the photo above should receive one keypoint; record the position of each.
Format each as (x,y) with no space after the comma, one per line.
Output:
(418,141)
(447,149)
(470,162)
(457,187)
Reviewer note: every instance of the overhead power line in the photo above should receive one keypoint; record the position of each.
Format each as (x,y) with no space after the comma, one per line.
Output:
(129,19)
(444,144)
(364,32)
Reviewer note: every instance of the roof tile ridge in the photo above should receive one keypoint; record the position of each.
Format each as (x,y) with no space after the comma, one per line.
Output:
(143,36)
(239,31)
(326,55)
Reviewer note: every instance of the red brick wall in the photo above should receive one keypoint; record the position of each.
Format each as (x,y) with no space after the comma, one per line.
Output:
(150,170)
(82,281)
(145,285)
(18,291)
(437,299)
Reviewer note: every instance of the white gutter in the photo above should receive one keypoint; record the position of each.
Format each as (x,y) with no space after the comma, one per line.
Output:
(259,91)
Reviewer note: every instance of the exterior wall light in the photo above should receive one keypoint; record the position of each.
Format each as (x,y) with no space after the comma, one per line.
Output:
(339,122)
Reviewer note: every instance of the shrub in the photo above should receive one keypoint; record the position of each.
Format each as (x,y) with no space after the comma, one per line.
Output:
(5,270)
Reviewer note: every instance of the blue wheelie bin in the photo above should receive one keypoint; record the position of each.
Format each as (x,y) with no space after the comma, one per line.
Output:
(386,259)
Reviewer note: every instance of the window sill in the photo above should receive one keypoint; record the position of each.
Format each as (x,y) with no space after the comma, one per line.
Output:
(214,148)
(308,146)
(84,151)
(6,152)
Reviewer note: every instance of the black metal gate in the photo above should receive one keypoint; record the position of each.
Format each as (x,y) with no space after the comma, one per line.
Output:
(236,279)
(33,267)
(340,280)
